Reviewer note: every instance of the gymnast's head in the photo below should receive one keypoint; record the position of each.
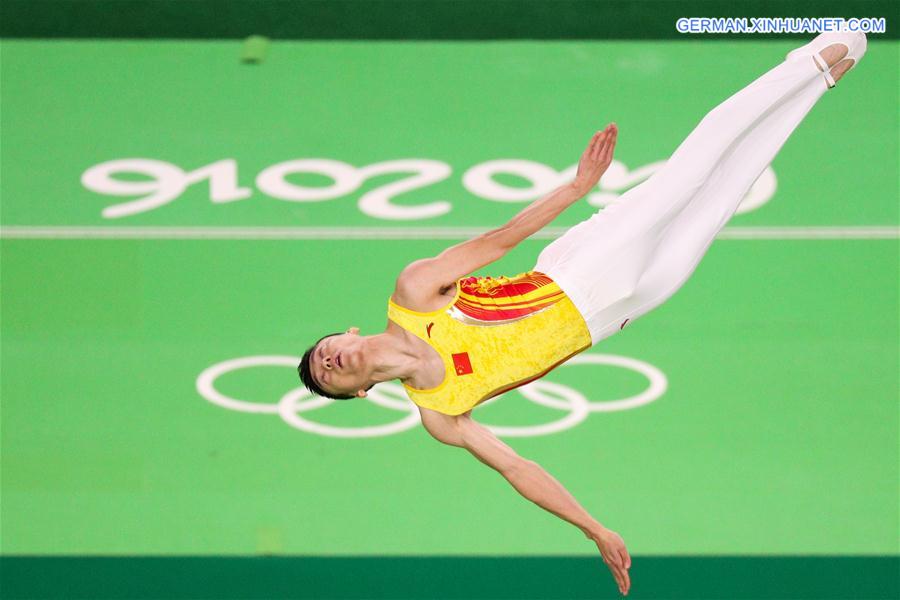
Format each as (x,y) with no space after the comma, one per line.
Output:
(336,366)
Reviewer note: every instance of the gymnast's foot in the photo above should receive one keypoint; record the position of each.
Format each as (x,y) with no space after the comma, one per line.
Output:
(833,55)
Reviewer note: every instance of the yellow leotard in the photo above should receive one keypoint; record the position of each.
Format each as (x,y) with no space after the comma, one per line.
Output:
(496,334)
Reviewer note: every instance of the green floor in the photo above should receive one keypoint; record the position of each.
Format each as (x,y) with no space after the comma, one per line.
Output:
(776,433)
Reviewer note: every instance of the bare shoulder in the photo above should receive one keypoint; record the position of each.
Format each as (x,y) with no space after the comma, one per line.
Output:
(419,274)
(443,428)
(416,288)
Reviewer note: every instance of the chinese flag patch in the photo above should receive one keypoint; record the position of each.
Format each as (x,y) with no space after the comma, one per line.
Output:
(461,363)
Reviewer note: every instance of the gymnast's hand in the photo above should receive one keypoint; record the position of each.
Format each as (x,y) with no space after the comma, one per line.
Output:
(616,557)
(596,159)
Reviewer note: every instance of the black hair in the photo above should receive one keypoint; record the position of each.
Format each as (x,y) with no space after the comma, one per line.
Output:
(306,375)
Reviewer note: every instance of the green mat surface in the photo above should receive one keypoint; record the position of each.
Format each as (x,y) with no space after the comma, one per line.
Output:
(777,431)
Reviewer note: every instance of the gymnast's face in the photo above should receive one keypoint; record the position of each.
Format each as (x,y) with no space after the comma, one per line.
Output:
(339,364)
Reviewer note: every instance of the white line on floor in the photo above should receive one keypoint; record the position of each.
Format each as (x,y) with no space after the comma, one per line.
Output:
(865,232)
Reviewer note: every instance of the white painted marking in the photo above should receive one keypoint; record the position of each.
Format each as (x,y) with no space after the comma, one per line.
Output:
(860,232)
(391,395)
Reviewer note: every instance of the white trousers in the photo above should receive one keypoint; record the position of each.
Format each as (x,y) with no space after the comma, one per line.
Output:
(632,255)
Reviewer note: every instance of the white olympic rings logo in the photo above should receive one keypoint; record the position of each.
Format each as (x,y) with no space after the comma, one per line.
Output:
(292,406)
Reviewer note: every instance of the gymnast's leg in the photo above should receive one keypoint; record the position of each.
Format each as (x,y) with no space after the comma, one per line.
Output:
(632,255)
(685,238)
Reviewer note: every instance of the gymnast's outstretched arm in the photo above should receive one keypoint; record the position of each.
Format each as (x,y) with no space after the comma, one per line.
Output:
(532,482)
(593,163)
(442,271)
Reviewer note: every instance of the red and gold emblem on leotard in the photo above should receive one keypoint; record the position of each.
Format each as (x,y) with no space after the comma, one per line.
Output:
(461,363)
(490,301)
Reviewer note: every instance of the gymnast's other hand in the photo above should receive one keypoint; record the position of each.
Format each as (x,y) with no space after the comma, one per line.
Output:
(616,557)
(596,159)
